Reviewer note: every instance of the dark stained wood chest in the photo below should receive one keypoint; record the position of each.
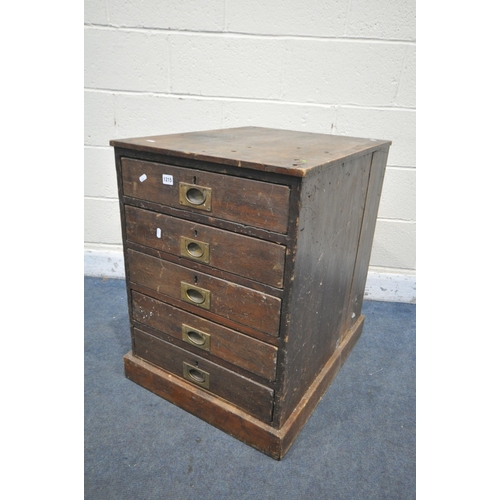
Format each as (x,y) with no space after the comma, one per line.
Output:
(246,256)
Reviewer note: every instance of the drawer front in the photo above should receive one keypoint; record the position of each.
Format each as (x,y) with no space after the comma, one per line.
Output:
(223,298)
(255,203)
(240,350)
(253,397)
(252,258)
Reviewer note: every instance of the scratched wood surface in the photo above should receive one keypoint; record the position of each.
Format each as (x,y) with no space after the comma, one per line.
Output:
(242,200)
(331,212)
(238,349)
(255,398)
(227,299)
(282,151)
(291,225)
(230,418)
(377,170)
(238,254)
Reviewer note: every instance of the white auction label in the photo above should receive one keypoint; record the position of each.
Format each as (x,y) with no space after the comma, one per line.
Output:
(158,232)
(143,177)
(168,179)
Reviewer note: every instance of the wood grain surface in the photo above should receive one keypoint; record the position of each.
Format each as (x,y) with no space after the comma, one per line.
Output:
(238,349)
(246,201)
(255,398)
(227,299)
(286,152)
(238,254)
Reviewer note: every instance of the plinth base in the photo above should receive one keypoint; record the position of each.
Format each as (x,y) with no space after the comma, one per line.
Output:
(231,419)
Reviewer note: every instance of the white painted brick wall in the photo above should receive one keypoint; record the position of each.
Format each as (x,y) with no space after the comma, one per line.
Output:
(190,15)
(134,60)
(342,67)
(102,221)
(227,66)
(385,19)
(138,115)
(100,179)
(318,18)
(342,72)
(99,119)
(397,124)
(406,90)
(293,116)
(398,195)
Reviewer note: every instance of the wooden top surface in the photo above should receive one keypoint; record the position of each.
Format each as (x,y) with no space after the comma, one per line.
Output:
(271,150)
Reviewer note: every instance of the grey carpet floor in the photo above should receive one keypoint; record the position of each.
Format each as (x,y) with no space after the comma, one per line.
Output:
(358,444)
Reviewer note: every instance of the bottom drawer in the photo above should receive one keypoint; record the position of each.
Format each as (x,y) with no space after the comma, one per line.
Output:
(253,397)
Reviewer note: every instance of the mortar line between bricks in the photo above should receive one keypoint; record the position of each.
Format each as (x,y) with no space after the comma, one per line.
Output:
(100,198)
(398,220)
(401,73)
(246,99)
(109,148)
(229,34)
(115,245)
(169,64)
(387,269)
(400,167)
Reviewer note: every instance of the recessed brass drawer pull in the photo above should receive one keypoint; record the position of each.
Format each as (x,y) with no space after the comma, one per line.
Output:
(195,295)
(194,196)
(196,337)
(195,250)
(195,375)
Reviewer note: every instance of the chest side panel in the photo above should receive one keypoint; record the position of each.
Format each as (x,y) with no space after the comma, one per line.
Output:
(377,170)
(330,219)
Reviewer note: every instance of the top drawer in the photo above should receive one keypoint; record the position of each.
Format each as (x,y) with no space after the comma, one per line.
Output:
(254,203)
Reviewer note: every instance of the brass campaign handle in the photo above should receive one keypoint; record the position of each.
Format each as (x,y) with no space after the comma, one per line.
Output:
(195,295)
(195,375)
(194,196)
(196,337)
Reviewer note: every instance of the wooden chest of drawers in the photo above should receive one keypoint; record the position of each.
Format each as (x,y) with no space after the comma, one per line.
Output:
(246,255)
